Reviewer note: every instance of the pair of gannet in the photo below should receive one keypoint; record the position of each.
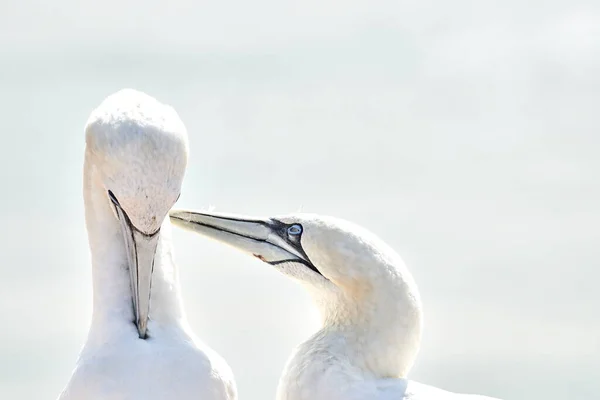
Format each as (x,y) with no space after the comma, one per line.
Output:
(139,344)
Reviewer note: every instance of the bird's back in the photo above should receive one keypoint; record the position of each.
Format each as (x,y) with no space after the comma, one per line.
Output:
(410,390)
(370,389)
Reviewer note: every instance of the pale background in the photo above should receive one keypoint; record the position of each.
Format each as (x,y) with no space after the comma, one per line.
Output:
(464,133)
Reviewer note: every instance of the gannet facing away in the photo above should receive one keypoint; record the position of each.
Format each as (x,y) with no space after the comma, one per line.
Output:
(139,345)
(369,303)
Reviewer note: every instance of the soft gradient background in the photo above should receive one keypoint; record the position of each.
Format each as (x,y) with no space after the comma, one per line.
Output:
(464,133)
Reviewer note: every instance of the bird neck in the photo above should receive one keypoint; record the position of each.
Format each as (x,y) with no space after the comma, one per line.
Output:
(112,299)
(378,333)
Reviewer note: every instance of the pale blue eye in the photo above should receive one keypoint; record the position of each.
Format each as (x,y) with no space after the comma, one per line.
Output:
(295,230)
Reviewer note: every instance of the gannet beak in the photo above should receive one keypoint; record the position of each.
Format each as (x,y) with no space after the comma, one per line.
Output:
(141,249)
(263,238)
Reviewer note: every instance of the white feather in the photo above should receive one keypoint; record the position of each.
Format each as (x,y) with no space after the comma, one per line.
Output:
(137,148)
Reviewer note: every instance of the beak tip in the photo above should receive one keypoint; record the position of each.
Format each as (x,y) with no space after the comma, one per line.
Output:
(142,329)
(181,219)
(180,215)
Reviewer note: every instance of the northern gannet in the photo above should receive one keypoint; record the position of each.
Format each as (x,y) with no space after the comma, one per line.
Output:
(139,344)
(369,303)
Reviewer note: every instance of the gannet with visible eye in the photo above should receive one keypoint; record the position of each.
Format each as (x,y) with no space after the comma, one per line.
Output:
(369,303)
(139,345)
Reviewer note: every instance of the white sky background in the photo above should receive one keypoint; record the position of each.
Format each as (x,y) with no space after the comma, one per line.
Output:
(464,134)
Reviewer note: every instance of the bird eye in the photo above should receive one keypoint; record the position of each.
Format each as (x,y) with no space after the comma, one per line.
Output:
(294,230)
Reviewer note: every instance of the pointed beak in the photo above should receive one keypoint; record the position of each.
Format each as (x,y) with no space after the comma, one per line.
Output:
(263,238)
(141,250)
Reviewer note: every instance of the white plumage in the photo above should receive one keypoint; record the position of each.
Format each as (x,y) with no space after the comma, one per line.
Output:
(139,345)
(369,303)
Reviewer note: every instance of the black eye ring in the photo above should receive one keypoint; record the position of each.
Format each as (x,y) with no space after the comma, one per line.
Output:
(294,230)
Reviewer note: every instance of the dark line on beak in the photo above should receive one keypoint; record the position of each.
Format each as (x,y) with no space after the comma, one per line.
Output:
(150,236)
(298,260)
(268,225)
(216,228)
(256,221)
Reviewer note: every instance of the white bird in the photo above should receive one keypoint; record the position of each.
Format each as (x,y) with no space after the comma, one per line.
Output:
(369,303)
(139,344)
